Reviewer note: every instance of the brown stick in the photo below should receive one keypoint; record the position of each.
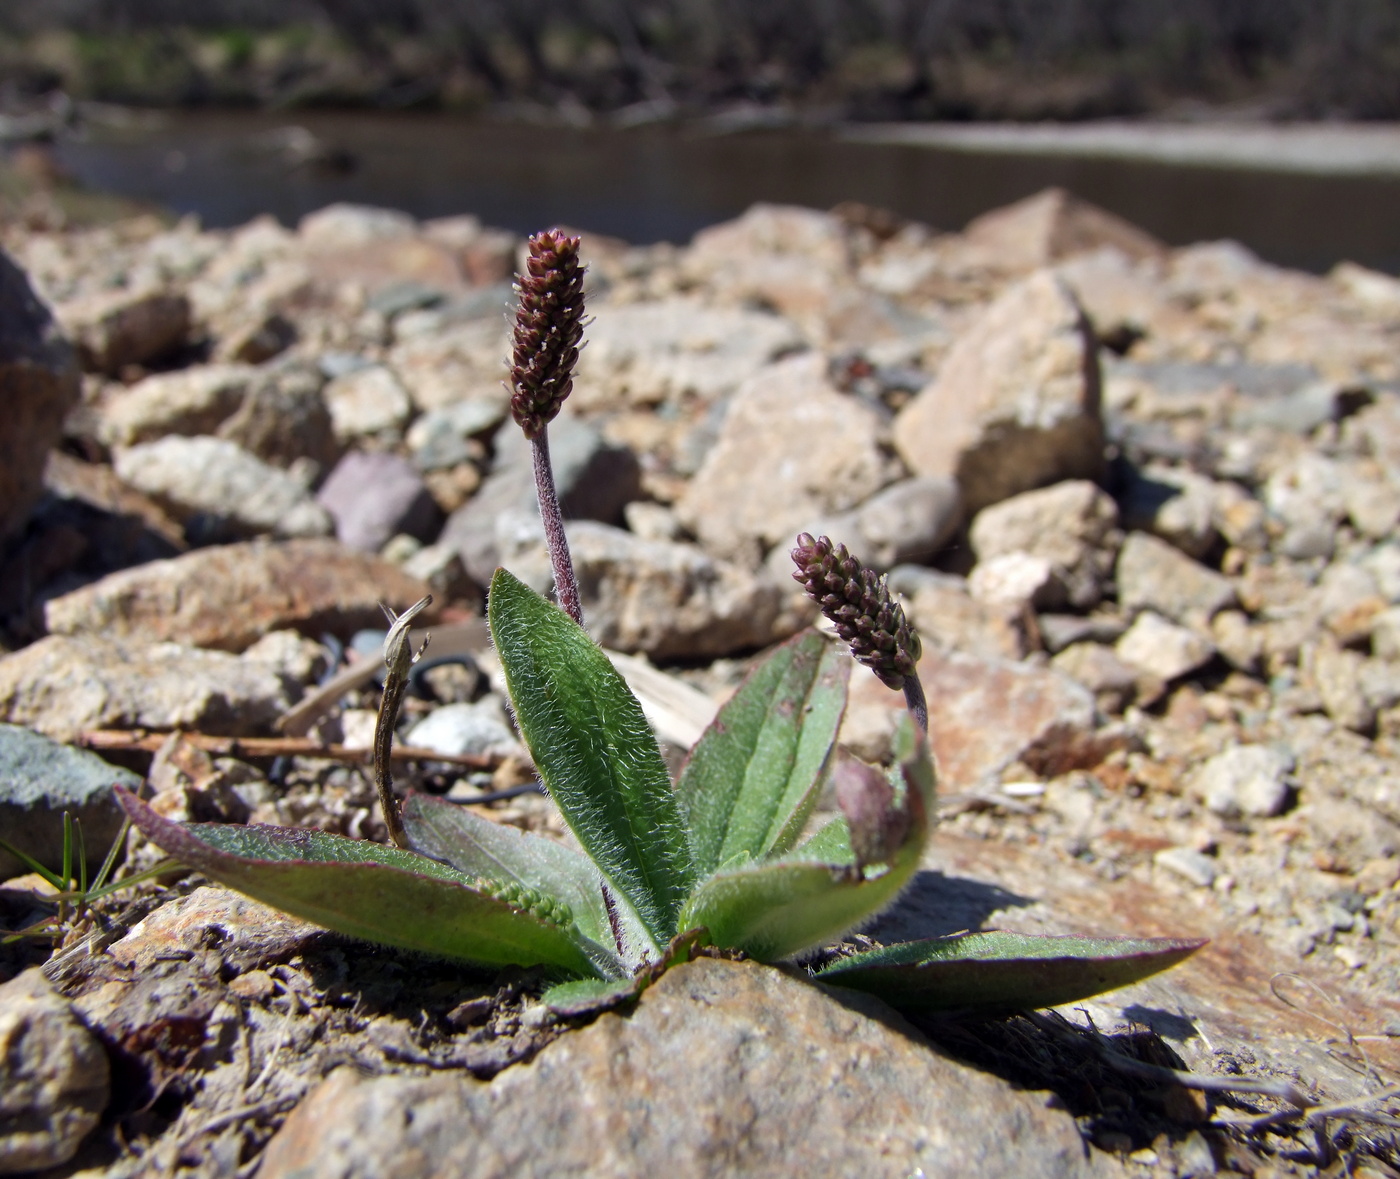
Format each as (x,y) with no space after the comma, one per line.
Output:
(146,741)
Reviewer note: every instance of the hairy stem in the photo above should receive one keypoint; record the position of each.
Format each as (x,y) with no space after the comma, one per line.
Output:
(916,701)
(565,583)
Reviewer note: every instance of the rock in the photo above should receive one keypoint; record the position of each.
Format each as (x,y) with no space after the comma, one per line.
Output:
(946,615)
(1246,780)
(229,596)
(1163,649)
(220,490)
(1073,526)
(292,655)
(1017,580)
(54,1077)
(791,449)
(1058,631)
(672,600)
(188,401)
(38,385)
(466,362)
(440,568)
(39,780)
(1338,676)
(64,685)
(1385,634)
(118,328)
(373,496)
(344,226)
(908,521)
(467,728)
(1015,405)
(367,402)
(1113,682)
(444,437)
(1187,510)
(282,418)
(1153,575)
(644,354)
(1240,644)
(1348,601)
(768,1058)
(594,482)
(1051,225)
(1191,865)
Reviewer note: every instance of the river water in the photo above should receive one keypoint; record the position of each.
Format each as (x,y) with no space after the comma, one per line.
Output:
(663,183)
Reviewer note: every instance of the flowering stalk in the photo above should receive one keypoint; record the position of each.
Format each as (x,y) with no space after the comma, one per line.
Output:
(859,602)
(548,328)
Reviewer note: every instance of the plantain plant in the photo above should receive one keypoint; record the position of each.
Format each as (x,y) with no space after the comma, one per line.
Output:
(720,861)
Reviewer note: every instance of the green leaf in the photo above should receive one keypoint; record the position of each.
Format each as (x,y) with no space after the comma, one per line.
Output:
(480,848)
(595,752)
(586,996)
(367,890)
(997,973)
(830,845)
(751,781)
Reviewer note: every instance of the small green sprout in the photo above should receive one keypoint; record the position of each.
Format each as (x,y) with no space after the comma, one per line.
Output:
(721,859)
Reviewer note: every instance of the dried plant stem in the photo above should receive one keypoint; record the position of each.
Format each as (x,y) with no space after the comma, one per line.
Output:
(399,656)
(565,583)
(140,740)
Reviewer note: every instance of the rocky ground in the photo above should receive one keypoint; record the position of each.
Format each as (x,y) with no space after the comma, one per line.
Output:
(1143,506)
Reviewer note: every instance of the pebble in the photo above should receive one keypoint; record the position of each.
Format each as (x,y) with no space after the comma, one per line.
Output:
(482,727)
(1251,780)
(368,402)
(373,495)
(1163,649)
(1153,575)
(1193,866)
(54,1077)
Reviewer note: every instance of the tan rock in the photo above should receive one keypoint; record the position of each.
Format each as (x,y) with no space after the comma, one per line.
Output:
(791,449)
(118,328)
(189,401)
(1050,226)
(768,1058)
(1152,575)
(1016,404)
(229,596)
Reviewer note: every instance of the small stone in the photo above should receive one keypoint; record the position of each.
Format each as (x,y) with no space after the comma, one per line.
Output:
(908,521)
(1113,682)
(440,568)
(650,521)
(1073,525)
(282,419)
(375,495)
(1020,580)
(1337,675)
(190,401)
(118,328)
(63,686)
(1191,865)
(54,1077)
(1153,575)
(1241,644)
(1052,225)
(1163,649)
(39,383)
(220,490)
(456,729)
(1015,405)
(367,402)
(444,437)
(40,780)
(1385,634)
(1058,631)
(1246,780)
(229,596)
(343,226)
(817,450)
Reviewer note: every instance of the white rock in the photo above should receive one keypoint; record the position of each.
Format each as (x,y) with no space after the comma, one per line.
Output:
(367,401)
(1162,648)
(1245,779)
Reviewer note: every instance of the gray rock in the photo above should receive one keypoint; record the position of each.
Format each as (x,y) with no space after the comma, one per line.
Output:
(367,402)
(442,437)
(372,496)
(282,418)
(190,401)
(768,1060)
(63,686)
(1298,411)
(219,490)
(1337,674)
(440,568)
(791,449)
(1018,580)
(1113,682)
(907,521)
(54,1077)
(134,326)
(1385,634)
(1383,564)
(1241,644)
(672,600)
(39,780)
(467,728)
(1163,649)
(594,481)
(1177,505)
(38,385)
(1245,780)
(344,226)
(1058,631)
(1153,575)
(1073,525)
(1015,405)
(1189,864)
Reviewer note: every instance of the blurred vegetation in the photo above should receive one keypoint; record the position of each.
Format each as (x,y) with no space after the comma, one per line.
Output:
(868,59)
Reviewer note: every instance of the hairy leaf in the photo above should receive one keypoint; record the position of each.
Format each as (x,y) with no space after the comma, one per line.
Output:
(751,781)
(480,848)
(587,996)
(595,752)
(367,890)
(998,972)
(829,845)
